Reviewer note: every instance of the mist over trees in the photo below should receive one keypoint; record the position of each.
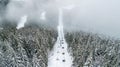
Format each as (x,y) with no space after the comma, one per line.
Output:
(30,46)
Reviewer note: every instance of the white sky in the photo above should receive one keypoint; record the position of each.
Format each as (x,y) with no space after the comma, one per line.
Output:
(100,16)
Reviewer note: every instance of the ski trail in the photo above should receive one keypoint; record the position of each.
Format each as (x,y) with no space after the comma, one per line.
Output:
(22,22)
(59,56)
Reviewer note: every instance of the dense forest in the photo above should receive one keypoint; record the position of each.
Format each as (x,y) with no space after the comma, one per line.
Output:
(93,50)
(27,47)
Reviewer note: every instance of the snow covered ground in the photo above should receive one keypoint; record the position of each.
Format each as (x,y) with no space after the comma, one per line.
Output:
(59,56)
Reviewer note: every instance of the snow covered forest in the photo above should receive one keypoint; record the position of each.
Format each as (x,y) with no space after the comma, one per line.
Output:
(29,47)
(93,50)
(29,41)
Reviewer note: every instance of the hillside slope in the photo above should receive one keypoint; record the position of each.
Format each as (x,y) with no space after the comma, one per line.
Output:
(29,47)
(92,50)
(26,47)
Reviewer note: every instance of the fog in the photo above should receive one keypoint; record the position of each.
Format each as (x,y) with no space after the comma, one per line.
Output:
(98,16)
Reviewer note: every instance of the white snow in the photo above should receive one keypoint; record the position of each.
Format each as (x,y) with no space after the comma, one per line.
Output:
(43,16)
(59,56)
(22,22)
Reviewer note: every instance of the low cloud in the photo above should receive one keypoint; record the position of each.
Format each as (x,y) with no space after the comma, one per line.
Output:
(99,16)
